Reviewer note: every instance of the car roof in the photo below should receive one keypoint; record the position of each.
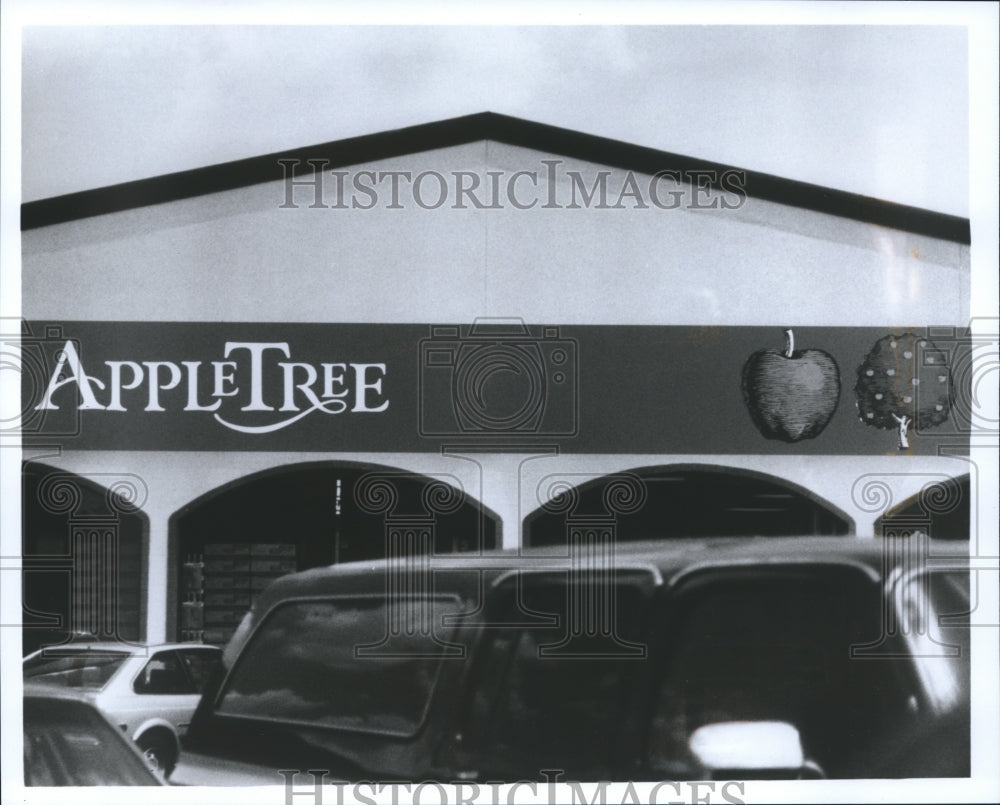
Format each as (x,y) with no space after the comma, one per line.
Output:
(41,690)
(131,649)
(663,559)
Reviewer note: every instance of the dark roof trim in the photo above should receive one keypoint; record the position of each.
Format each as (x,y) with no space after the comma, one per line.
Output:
(472,128)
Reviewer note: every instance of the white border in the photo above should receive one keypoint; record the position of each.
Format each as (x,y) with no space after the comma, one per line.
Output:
(982,21)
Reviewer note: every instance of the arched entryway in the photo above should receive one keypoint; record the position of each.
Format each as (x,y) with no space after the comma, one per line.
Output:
(941,510)
(227,545)
(84,546)
(681,500)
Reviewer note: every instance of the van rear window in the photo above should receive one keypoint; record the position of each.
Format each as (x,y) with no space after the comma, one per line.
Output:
(354,664)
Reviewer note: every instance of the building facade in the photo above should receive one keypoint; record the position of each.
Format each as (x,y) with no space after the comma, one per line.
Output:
(478,333)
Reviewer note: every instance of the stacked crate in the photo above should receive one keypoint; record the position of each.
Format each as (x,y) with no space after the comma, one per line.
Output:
(268,560)
(192,588)
(232,574)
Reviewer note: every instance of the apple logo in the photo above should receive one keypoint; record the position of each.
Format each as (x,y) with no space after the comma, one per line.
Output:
(791,395)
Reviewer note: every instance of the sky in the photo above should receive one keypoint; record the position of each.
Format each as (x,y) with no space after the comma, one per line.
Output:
(877,110)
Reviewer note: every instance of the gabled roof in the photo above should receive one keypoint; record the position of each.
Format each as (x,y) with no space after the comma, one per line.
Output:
(472,128)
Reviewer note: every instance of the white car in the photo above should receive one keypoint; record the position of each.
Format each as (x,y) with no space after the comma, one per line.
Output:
(149,692)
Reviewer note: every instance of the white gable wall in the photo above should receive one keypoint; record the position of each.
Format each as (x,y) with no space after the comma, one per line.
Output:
(236,256)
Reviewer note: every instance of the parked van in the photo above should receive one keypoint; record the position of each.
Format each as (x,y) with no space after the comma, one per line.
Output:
(768,658)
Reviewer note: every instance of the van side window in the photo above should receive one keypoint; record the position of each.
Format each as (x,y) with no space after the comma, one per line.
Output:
(936,606)
(775,646)
(353,664)
(547,694)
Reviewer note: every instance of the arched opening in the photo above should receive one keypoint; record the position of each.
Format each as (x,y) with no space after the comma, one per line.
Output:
(84,547)
(230,543)
(681,500)
(941,510)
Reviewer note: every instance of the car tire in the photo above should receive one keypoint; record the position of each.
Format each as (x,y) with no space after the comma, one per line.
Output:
(159,750)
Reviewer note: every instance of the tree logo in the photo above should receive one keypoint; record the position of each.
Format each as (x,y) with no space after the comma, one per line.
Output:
(904,383)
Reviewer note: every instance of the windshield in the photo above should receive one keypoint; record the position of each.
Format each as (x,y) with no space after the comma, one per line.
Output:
(89,670)
(68,743)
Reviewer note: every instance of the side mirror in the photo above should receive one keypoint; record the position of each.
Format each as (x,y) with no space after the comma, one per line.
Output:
(765,750)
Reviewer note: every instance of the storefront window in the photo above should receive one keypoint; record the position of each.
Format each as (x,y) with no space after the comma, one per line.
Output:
(232,543)
(83,550)
(940,510)
(665,502)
